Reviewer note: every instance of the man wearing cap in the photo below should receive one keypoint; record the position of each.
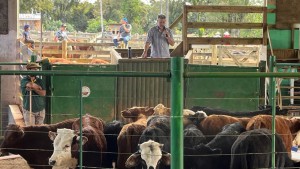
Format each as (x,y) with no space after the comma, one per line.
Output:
(124,33)
(38,92)
(159,37)
(62,34)
(26,36)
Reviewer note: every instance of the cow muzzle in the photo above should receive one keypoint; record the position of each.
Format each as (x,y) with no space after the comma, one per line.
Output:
(52,162)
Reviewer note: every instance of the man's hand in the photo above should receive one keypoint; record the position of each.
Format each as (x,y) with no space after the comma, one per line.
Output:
(144,55)
(167,34)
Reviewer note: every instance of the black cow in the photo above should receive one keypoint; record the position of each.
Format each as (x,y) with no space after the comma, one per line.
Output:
(193,136)
(111,132)
(32,142)
(263,110)
(217,150)
(201,156)
(252,150)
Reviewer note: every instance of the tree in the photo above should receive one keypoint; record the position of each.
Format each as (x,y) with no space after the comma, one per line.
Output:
(81,14)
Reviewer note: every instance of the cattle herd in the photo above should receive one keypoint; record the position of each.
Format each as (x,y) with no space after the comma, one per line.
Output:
(213,139)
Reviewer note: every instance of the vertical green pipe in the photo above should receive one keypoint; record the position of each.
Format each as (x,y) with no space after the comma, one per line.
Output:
(80,130)
(273,104)
(176,113)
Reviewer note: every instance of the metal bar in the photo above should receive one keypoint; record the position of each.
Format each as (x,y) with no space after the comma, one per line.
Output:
(237,74)
(273,104)
(176,112)
(287,64)
(92,73)
(80,128)
(12,63)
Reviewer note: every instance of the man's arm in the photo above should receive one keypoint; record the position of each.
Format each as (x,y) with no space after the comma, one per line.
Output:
(127,29)
(146,48)
(169,38)
(38,89)
(35,87)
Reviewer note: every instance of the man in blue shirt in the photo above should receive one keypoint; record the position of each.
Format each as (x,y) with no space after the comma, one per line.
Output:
(26,36)
(124,33)
(62,34)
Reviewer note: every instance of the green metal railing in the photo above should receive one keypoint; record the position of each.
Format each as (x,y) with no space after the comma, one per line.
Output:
(176,76)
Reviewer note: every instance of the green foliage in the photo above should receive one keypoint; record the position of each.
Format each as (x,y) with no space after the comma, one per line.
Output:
(94,26)
(85,16)
(55,26)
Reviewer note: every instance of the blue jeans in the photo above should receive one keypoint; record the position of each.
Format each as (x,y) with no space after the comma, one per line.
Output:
(124,39)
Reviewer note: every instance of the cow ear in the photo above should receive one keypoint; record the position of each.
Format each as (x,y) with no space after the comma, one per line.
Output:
(166,158)
(52,135)
(84,139)
(149,110)
(133,160)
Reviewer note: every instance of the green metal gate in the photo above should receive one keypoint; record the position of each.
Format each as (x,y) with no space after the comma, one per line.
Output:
(100,101)
(235,94)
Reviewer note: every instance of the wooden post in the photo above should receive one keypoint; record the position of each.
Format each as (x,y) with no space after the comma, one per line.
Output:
(64,48)
(214,55)
(184,30)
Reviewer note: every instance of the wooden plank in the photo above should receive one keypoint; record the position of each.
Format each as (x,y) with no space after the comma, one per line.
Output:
(178,51)
(231,41)
(287,13)
(90,52)
(89,44)
(214,58)
(265,27)
(189,56)
(48,51)
(37,43)
(177,20)
(184,30)
(17,115)
(224,25)
(225,9)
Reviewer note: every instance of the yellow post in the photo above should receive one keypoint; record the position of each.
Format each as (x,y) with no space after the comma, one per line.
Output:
(64,48)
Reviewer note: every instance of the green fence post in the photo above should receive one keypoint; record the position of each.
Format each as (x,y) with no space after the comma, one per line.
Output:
(272,99)
(80,128)
(176,113)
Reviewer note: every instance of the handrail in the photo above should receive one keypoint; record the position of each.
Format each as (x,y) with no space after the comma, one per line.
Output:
(238,74)
(177,20)
(91,73)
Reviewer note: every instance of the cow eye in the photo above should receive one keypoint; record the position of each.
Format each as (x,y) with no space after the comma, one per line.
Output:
(67,146)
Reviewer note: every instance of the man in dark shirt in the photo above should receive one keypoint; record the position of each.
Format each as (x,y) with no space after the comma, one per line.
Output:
(37,87)
(124,33)
(26,36)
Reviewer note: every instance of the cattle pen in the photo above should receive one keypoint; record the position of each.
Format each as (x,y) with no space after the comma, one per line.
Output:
(176,76)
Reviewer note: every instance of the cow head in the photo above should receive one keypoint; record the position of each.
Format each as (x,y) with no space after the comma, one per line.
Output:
(136,112)
(160,109)
(63,141)
(150,156)
(195,118)
(13,134)
(296,141)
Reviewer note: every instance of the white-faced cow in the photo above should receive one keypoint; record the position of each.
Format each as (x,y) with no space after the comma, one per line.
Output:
(67,145)
(150,156)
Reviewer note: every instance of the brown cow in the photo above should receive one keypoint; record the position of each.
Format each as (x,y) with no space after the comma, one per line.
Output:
(32,142)
(94,144)
(130,134)
(213,124)
(282,127)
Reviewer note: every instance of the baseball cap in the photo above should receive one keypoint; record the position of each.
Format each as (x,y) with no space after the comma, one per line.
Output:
(63,25)
(26,26)
(125,19)
(32,65)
